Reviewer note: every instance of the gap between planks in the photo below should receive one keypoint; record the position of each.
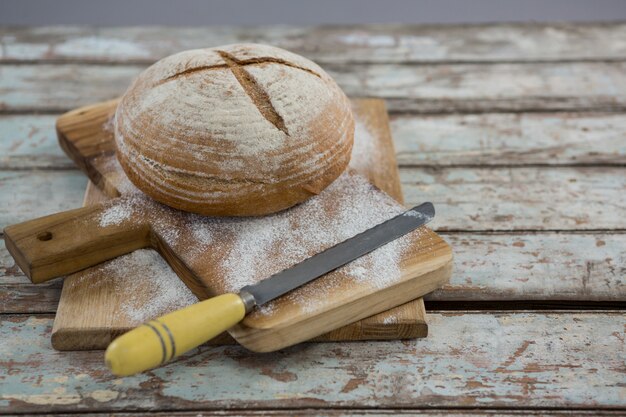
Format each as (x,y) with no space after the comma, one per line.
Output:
(524,306)
(463,309)
(613,109)
(69,167)
(321,61)
(360,411)
(400,110)
(373,412)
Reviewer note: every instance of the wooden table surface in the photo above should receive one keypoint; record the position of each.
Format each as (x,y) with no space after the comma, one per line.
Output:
(516,132)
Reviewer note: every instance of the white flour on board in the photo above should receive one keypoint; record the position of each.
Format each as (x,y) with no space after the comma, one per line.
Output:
(365,151)
(114,215)
(245,245)
(151,286)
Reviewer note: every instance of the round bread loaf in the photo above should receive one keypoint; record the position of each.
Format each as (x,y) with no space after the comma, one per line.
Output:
(237,130)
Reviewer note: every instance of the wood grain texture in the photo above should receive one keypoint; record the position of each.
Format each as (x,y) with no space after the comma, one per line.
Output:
(483,361)
(62,243)
(421,140)
(364,412)
(29,141)
(572,268)
(19,295)
(354,43)
(104,319)
(536,267)
(22,193)
(514,139)
(524,198)
(445,88)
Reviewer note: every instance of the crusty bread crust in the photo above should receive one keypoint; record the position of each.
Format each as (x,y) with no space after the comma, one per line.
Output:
(237,130)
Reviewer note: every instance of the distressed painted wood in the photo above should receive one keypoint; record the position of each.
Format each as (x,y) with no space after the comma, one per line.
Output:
(470,360)
(356,43)
(416,88)
(28,194)
(524,198)
(29,141)
(9,272)
(322,412)
(59,88)
(25,298)
(488,87)
(510,139)
(572,268)
(569,267)
(472,199)
(490,363)
(18,295)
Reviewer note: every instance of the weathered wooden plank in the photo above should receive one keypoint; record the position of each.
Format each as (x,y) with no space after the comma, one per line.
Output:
(9,272)
(361,43)
(60,88)
(420,88)
(525,198)
(18,295)
(30,142)
(472,199)
(571,268)
(390,412)
(488,87)
(510,139)
(536,267)
(469,360)
(28,194)
(24,298)
(424,140)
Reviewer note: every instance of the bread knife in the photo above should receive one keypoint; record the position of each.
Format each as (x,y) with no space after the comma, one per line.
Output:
(159,341)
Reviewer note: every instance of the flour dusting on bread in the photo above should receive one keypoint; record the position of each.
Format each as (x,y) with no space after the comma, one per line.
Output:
(236,130)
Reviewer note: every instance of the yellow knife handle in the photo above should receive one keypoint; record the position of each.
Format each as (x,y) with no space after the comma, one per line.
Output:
(160,340)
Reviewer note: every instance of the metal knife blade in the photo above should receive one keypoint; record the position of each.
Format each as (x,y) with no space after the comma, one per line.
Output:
(336,256)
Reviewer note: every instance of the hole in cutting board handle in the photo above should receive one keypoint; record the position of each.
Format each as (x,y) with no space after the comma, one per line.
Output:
(44,236)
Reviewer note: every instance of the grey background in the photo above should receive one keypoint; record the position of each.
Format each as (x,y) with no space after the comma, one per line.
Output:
(259,12)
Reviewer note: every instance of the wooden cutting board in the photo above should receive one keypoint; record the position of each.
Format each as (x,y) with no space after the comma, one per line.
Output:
(90,316)
(85,237)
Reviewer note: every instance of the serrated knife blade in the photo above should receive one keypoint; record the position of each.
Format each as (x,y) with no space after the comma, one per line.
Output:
(338,255)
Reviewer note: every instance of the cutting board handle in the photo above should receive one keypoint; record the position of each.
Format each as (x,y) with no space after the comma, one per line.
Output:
(66,242)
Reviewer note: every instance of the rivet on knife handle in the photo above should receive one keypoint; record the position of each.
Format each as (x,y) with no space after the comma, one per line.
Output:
(160,340)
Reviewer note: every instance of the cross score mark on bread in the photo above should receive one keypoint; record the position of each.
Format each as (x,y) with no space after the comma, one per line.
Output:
(259,97)
(237,130)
